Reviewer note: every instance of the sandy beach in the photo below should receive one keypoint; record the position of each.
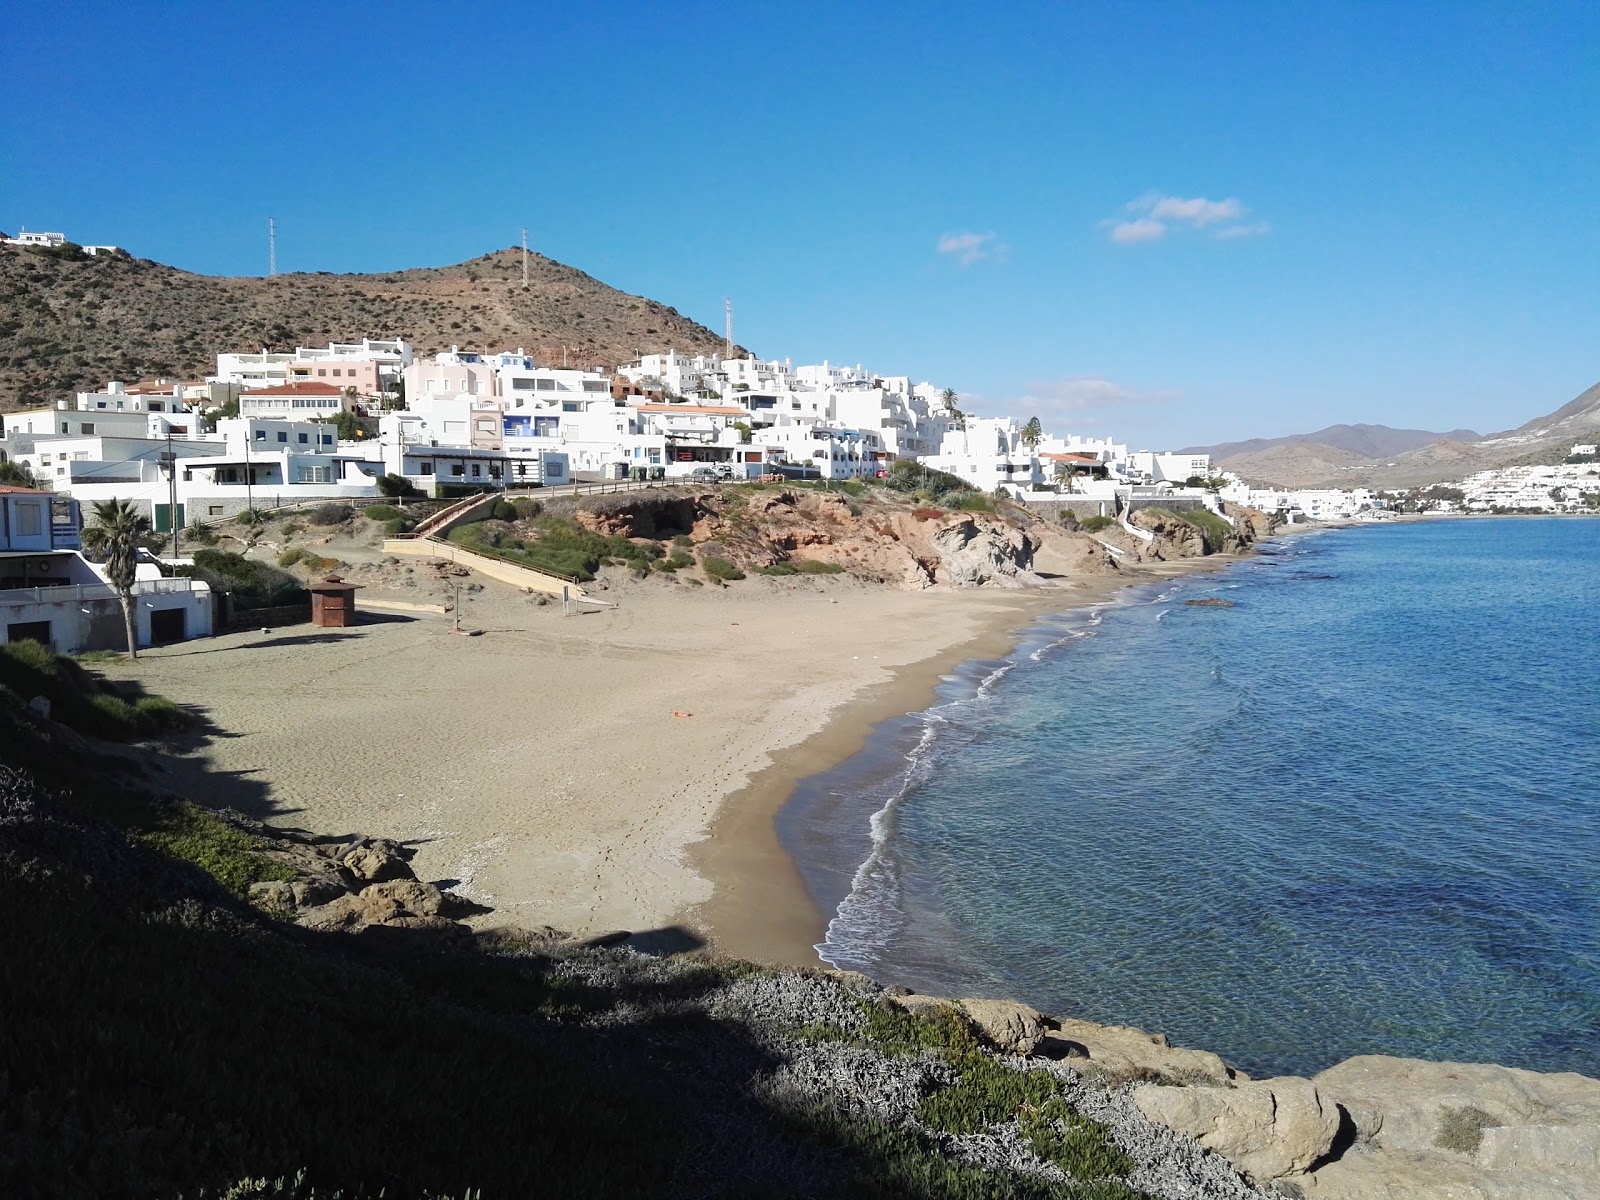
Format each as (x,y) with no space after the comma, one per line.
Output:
(618,769)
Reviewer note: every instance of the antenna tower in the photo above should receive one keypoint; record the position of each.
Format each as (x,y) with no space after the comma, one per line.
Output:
(524,258)
(272,246)
(727,310)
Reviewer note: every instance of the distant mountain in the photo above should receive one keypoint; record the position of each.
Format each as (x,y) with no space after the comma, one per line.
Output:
(1379,457)
(69,322)
(1367,441)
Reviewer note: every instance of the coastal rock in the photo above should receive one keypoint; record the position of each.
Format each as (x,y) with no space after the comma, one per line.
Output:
(376,904)
(1124,1052)
(1427,1129)
(972,555)
(273,896)
(920,1005)
(377,862)
(1266,1129)
(308,893)
(1012,1027)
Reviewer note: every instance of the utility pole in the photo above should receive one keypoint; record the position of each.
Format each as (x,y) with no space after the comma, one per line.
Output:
(524,258)
(170,461)
(272,246)
(249,471)
(727,312)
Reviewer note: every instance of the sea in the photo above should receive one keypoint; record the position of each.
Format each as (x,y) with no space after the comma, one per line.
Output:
(1355,809)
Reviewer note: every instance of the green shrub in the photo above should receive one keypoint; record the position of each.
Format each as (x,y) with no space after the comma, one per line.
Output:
(975,502)
(157,714)
(289,557)
(381,512)
(527,507)
(329,514)
(778,569)
(397,485)
(198,532)
(683,541)
(290,528)
(720,569)
(812,566)
(505,511)
(397,526)
(1096,524)
(253,584)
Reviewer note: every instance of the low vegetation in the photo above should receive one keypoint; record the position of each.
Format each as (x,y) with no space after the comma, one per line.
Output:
(554,545)
(81,700)
(1462,1128)
(329,514)
(720,569)
(253,584)
(1096,524)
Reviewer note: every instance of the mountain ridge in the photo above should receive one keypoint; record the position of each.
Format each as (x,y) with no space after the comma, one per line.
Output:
(71,321)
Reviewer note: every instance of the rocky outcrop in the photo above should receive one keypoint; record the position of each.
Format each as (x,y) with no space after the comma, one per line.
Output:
(1370,1127)
(1426,1129)
(880,535)
(1267,1129)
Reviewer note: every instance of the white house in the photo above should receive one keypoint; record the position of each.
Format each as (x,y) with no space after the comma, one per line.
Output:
(296,401)
(989,455)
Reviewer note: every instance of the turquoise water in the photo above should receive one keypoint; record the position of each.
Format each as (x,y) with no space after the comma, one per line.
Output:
(1358,812)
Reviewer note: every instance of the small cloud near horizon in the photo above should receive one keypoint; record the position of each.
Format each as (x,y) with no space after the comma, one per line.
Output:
(968,248)
(1077,394)
(1150,217)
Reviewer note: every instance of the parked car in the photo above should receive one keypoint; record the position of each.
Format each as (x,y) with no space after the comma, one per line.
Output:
(705,475)
(724,471)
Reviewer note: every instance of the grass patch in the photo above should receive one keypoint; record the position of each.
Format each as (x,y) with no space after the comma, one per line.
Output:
(381,512)
(812,566)
(329,514)
(99,656)
(289,557)
(559,547)
(720,569)
(1096,524)
(1213,528)
(227,854)
(1462,1128)
(82,701)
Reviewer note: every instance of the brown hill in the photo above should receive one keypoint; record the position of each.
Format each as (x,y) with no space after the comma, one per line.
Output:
(69,322)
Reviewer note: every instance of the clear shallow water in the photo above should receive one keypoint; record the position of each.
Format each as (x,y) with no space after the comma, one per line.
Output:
(1357,813)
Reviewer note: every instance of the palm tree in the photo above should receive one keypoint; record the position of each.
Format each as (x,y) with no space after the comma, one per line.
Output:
(1032,433)
(117,530)
(957,418)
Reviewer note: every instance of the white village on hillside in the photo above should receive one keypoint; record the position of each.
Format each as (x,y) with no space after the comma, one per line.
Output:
(354,421)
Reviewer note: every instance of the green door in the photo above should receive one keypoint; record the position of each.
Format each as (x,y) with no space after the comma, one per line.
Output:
(164,518)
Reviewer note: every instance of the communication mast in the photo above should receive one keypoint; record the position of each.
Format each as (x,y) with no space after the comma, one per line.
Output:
(524,258)
(272,246)
(727,310)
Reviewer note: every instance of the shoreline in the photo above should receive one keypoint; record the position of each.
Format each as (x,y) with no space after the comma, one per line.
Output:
(760,908)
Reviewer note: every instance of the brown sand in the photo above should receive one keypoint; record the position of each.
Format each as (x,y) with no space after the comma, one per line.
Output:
(540,763)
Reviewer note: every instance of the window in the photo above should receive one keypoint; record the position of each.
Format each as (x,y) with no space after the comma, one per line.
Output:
(304,438)
(425,468)
(283,437)
(325,438)
(477,471)
(322,370)
(30,518)
(522,385)
(456,470)
(213,510)
(261,435)
(552,469)
(315,475)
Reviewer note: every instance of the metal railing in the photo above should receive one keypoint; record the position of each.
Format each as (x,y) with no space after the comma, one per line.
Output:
(84,592)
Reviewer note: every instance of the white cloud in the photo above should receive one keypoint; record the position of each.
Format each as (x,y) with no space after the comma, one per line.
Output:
(969,248)
(1144,229)
(1198,211)
(1082,393)
(1152,215)
(1252,229)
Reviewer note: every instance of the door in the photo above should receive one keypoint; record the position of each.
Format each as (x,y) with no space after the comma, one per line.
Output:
(166,625)
(29,631)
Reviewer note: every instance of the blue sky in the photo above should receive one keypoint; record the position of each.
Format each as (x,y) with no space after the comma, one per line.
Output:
(1177,222)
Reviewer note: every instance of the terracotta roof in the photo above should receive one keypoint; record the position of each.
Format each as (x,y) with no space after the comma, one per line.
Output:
(298,389)
(9,490)
(1072,458)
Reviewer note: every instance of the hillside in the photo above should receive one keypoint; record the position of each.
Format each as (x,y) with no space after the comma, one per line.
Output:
(1366,441)
(1349,456)
(69,321)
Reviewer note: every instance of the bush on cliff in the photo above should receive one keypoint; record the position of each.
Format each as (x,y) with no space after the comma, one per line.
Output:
(81,700)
